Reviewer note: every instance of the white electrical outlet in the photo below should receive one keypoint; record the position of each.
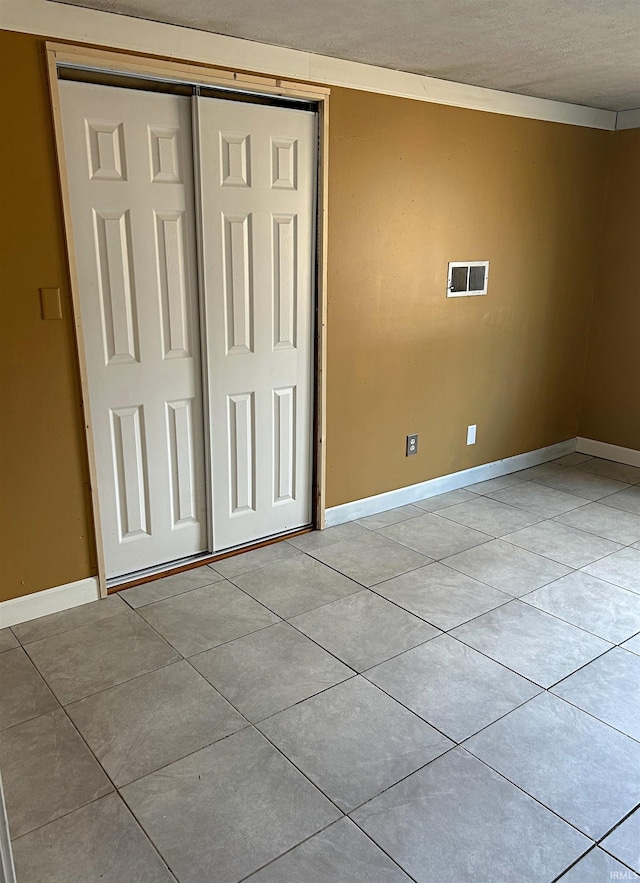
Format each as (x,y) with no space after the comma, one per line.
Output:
(471,434)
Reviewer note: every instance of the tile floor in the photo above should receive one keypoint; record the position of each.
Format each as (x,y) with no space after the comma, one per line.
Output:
(446,691)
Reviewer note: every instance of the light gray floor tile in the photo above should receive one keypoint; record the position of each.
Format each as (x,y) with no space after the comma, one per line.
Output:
(458,820)
(23,693)
(88,659)
(47,771)
(572,459)
(204,618)
(582,484)
(596,867)
(539,471)
(434,536)
(227,810)
(575,548)
(490,516)
(391,516)
(369,559)
(495,484)
(622,569)
(609,469)
(353,741)
(138,727)
(451,686)
(100,842)
(66,620)
(7,640)
(633,645)
(590,603)
(295,585)
(320,539)
(506,567)
(609,689)
(628,500)
(339,854)
(612,524)
(269,670)
(236,564)
(586,772)
(537,498)
(624,842)
(442,596)
(364,629)
(442,501)
(168,586)
(534,644)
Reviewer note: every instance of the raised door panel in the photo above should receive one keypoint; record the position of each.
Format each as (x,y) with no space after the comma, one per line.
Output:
(238,282)
(130,472)
(173,282)
(116,286)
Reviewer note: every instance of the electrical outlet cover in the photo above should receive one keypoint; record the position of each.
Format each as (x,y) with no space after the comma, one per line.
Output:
(412,444)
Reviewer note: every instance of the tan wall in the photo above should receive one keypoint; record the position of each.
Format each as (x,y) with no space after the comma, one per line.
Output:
(45,522)
(611,402)
(412,186)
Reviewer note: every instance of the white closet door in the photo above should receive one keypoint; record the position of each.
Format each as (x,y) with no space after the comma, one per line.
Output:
(129,157)
(257,186)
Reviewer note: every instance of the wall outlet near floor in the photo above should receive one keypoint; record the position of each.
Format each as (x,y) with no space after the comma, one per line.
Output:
(471,434)
(412,444)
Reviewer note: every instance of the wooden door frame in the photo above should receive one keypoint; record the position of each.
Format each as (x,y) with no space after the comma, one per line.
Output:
(98,60)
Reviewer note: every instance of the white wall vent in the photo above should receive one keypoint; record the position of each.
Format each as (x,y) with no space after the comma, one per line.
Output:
(467,278)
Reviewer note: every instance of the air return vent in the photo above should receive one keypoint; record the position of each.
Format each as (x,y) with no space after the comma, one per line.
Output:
(467,278)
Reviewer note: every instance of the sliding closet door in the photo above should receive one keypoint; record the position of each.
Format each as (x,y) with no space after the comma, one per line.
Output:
(129,159)
(257,184)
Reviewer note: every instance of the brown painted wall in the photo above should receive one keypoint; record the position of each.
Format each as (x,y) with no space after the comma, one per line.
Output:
(45,522)
(611,402)
(412,186)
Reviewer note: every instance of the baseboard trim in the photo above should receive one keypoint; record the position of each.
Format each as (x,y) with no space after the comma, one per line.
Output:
(618,454)
(17,610)
(392,499)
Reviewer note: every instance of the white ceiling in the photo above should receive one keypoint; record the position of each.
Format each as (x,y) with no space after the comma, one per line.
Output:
(580,51)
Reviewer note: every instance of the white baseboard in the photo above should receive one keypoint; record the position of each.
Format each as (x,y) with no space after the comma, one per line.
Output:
(608,452)
(433,487)
(27,607)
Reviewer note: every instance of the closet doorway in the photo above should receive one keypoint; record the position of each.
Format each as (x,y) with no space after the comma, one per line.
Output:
(193,221)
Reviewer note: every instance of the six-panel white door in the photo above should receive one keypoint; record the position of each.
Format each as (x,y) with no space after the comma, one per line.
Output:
(129,158)
(256,170)
(256,188)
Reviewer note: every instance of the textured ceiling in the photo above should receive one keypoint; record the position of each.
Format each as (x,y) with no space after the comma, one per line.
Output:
(580,51)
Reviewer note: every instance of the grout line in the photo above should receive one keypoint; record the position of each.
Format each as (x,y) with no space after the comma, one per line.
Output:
(123,592)
(592,715)
(528,794)
(617,825)
(321,831)
(117,612)
(64,815)
(542,686)
(574,863)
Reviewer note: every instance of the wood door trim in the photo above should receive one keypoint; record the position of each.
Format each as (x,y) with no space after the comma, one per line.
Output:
(81,56)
